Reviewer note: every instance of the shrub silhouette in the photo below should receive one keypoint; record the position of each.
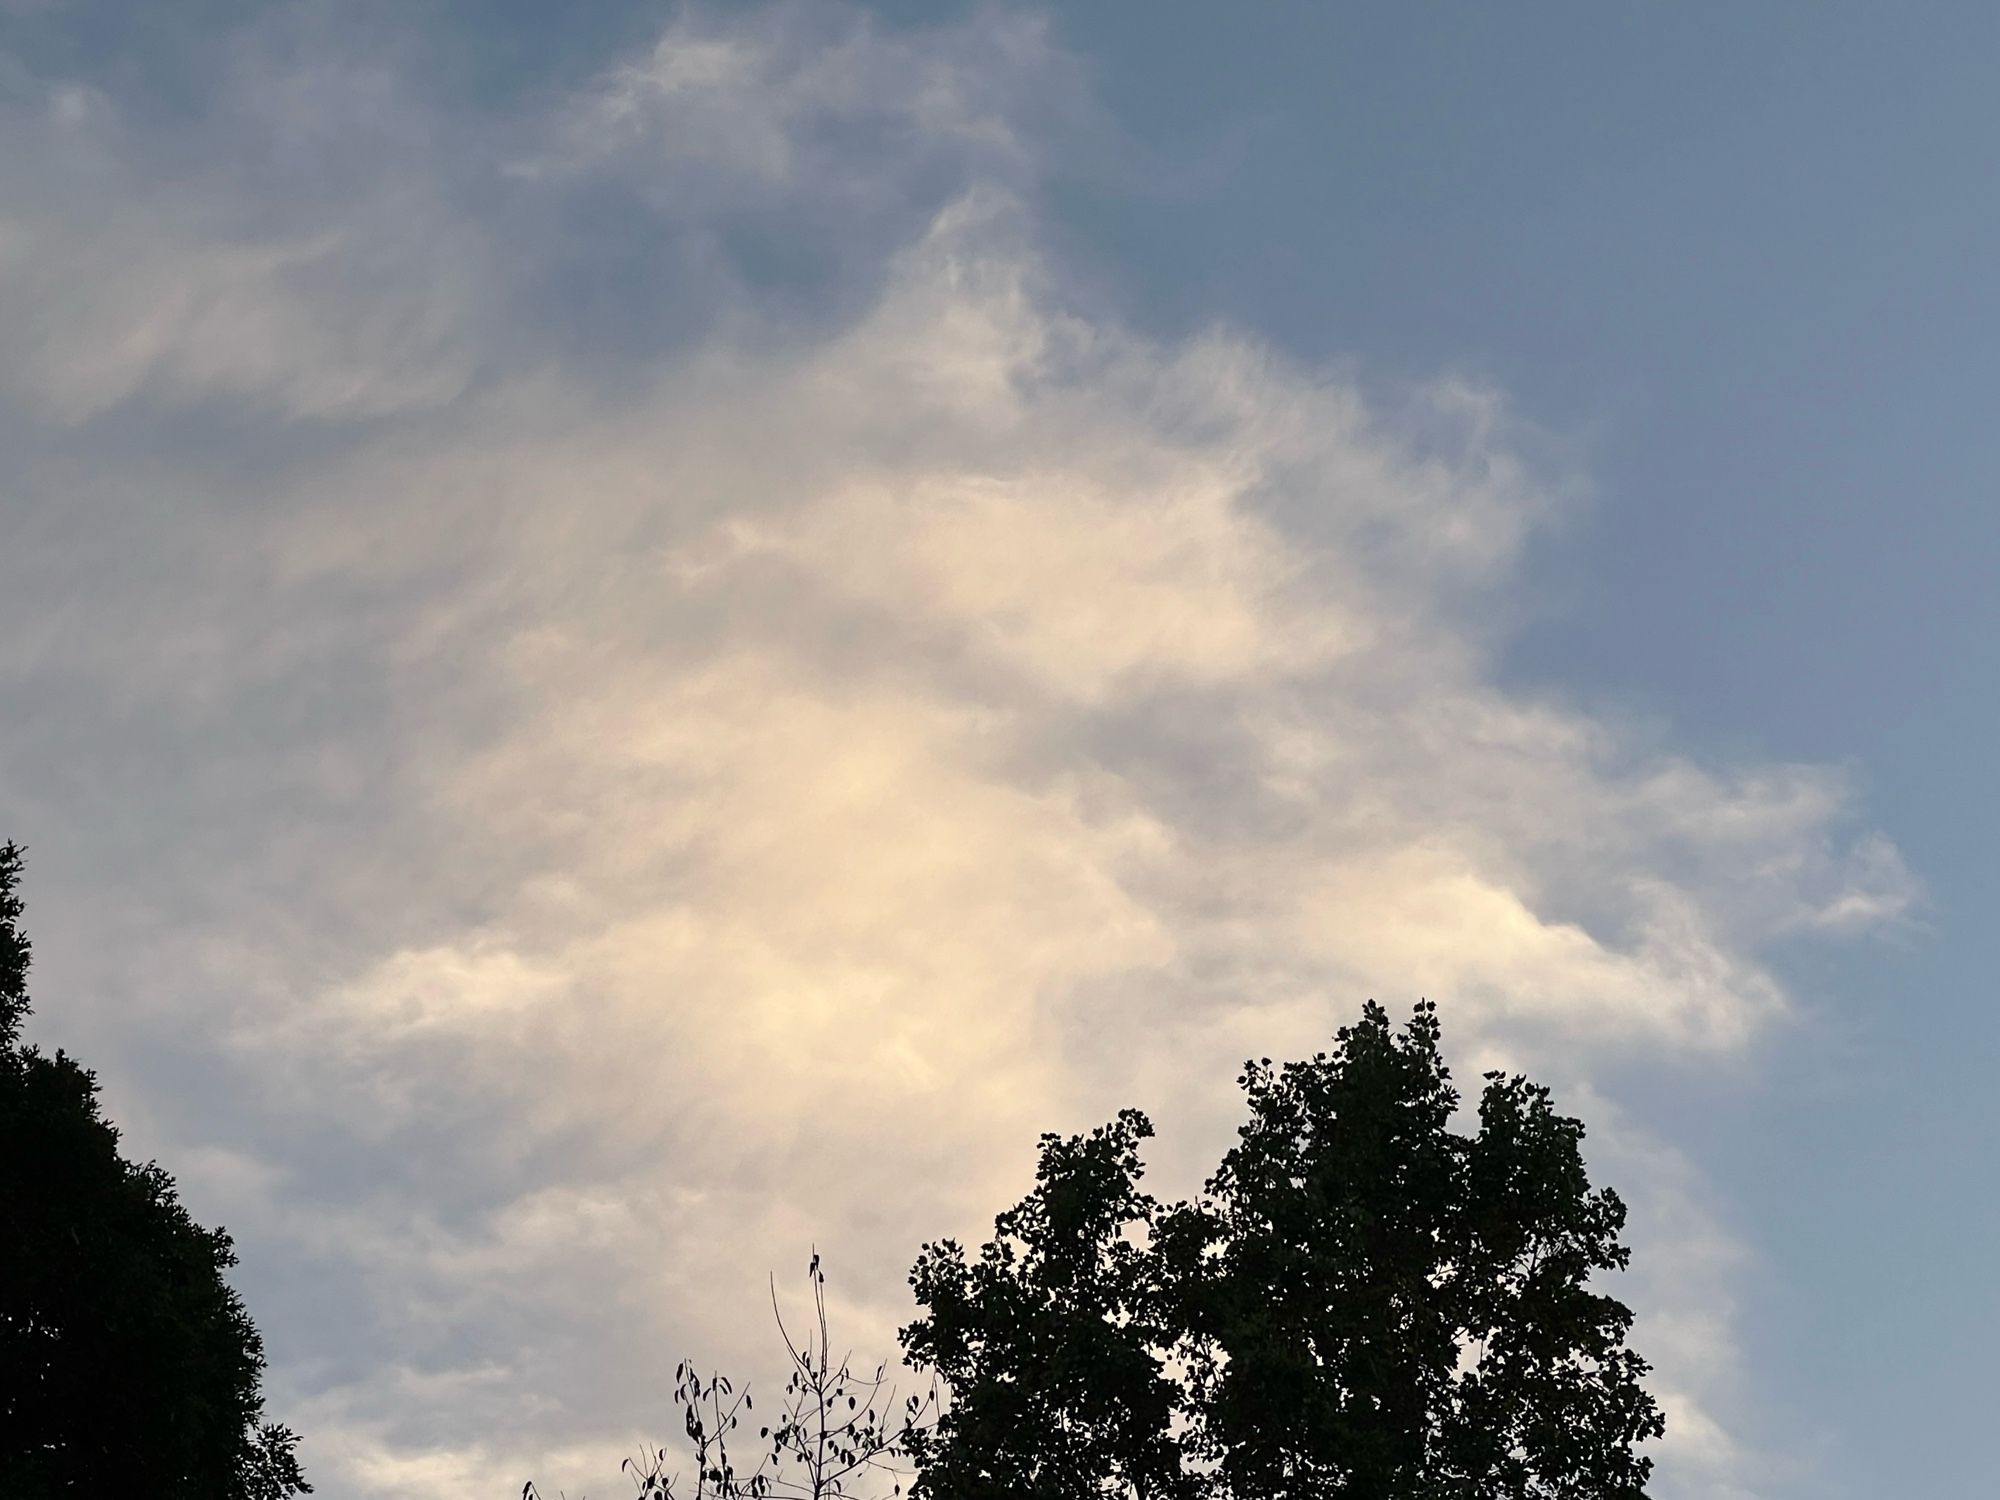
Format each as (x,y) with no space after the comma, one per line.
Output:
(836,1432)
(127,1365)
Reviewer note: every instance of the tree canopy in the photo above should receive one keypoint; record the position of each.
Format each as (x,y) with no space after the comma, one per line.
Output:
(128,1366)
(1362,1303)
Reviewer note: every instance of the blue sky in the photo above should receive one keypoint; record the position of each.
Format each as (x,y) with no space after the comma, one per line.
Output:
(1741,255)
(564,575)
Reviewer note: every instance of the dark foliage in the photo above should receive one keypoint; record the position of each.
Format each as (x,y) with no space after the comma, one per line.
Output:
(1362,1304)
(127,1365)
(1047,1341)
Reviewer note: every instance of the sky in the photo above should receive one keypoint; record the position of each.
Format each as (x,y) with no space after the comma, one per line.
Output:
(634,642)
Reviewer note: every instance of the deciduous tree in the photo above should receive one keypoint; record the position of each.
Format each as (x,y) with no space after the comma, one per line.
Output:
(1362,1303)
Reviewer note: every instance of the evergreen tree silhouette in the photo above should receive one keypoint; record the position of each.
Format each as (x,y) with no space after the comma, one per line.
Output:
(127,1364)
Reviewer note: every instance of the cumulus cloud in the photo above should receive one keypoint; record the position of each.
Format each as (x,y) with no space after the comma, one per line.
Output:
(667,820)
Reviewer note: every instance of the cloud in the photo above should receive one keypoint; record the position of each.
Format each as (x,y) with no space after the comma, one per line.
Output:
(602,822)
(113,289)
(787,98)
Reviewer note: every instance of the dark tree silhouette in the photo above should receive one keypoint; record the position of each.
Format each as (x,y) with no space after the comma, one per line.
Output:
(1363,1304)
(1049,1341)
(127,1365)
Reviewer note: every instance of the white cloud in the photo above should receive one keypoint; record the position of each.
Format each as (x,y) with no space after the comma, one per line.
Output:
(750,801)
